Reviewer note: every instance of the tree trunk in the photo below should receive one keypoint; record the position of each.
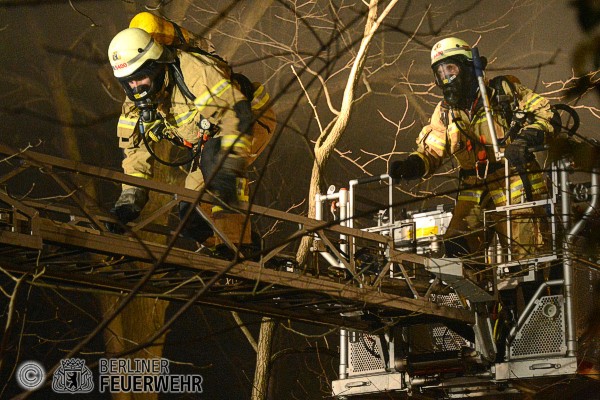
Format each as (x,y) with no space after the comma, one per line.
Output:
(263,359)
(139,319)
(143,316)
(329,138)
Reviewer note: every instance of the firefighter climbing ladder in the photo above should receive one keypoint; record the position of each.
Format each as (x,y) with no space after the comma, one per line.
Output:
(61,240)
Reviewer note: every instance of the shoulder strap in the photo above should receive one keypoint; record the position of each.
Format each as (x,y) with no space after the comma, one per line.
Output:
(175,70)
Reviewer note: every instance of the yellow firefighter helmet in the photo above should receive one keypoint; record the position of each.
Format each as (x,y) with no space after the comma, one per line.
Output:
(450,47)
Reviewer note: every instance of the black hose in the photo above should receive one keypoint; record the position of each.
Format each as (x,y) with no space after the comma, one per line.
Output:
(573,114)
(193,153)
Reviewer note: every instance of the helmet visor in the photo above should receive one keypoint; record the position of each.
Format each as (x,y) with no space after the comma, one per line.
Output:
(446,72)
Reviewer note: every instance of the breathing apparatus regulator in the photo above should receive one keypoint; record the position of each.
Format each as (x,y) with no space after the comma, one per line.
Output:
(140,63)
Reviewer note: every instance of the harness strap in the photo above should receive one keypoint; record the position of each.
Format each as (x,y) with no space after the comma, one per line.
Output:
(491,168)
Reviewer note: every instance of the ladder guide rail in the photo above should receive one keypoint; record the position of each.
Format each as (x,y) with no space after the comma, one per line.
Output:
(44,227)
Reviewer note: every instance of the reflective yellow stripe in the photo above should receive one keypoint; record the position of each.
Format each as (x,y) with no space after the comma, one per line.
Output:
(240,141)
(536,181)
(453,129)
(131,123)
(498,197)
(180,120)
(481,120)
(241,194)
(216,91)
(536,177)
(127,123)
(436,142)
(541,125)
(535,99)
(530,105)
(470,195)
(241,189)
(258,102)
(518,184)
(149,125)
(140,175)
(184,118)
(258,91)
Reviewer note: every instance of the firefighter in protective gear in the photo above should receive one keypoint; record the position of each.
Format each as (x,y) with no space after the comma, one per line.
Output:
(175,93)
(458,128)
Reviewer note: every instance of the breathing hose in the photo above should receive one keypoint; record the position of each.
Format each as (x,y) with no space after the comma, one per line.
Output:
(148,114)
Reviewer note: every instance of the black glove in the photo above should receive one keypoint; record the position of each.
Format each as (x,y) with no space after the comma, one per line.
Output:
(517,152)
(223,184)
(127,208)
(411,168)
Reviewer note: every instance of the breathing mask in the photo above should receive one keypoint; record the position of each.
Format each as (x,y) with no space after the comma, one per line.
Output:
(144,83)
(457,80)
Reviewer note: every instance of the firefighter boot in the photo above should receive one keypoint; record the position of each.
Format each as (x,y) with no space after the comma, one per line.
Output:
(127,208)
(195,227)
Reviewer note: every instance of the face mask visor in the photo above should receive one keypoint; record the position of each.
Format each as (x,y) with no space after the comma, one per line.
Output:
(446,72)
(140,88)
(144,83)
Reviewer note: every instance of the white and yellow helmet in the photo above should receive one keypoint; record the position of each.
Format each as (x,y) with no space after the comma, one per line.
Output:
(450,47)
(130,49)
(135,55)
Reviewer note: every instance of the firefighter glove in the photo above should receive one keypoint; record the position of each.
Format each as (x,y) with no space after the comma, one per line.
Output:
(243,110)
(517,152)
(411,168)
(127,208)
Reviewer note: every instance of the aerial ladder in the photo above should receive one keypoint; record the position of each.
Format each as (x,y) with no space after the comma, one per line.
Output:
(54,233)
(541,341)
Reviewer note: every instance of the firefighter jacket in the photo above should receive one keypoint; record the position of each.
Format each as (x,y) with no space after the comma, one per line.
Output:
(465,135)
(215,95)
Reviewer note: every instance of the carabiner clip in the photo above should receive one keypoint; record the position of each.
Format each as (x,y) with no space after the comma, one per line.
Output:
(477,170)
